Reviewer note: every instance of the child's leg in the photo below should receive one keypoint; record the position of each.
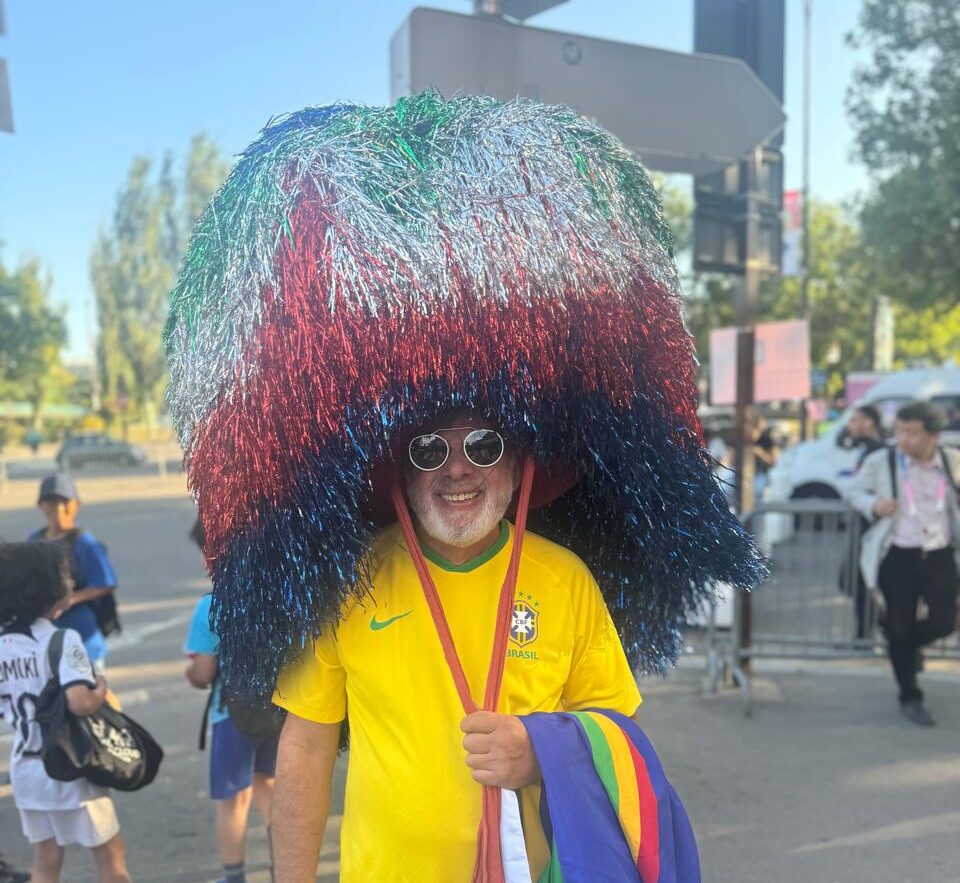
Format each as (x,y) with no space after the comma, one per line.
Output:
(47,861)
(263,795)
(232,815)
(111,859)
(264,770)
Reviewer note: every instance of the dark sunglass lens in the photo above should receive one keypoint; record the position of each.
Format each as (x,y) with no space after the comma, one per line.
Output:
(483,447)
(428,451)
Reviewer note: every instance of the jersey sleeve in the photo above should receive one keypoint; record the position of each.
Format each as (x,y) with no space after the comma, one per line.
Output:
(600,676)
(314,685)
(201,638)
(93,564)
(75,665)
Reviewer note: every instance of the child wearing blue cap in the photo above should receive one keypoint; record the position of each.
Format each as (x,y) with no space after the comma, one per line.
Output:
(92,572)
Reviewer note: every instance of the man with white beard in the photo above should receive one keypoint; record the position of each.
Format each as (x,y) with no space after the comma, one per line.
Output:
(412,802)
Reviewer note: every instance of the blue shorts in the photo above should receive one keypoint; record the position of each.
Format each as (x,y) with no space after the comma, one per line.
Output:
(234,758)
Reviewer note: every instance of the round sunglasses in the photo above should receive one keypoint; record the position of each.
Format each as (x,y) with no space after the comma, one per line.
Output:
(482,447)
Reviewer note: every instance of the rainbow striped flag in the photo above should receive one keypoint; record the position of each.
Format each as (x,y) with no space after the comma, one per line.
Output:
(607,809)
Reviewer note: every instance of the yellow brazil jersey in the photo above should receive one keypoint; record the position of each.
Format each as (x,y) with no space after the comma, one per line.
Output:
(412,808)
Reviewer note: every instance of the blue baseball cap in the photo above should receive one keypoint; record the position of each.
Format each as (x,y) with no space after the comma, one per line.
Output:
(59,485)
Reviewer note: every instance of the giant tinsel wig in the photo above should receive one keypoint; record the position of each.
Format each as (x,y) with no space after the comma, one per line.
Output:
(364,270)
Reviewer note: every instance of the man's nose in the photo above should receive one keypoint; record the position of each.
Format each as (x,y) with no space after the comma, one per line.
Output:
(457,465)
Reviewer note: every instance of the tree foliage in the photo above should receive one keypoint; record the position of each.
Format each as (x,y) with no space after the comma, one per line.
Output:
(904,104)
(134,265)
(32,334)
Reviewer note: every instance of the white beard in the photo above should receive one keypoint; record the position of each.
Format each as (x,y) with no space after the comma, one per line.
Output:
(467,529)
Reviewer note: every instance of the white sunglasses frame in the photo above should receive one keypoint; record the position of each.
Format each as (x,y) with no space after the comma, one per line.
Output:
(473,429)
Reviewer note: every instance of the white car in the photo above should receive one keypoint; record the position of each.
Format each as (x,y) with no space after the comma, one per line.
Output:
(824,467)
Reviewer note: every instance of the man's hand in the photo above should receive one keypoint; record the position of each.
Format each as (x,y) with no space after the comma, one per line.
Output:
(499,750)
(884,507)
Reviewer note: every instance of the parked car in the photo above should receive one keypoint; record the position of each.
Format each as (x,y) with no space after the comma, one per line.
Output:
(98,449)
(824,467)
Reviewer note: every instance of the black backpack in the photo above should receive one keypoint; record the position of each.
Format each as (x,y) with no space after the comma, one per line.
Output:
(257,722)
(104,607)
(106,747)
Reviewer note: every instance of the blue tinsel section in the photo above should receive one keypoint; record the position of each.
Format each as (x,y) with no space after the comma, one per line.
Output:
(647,516)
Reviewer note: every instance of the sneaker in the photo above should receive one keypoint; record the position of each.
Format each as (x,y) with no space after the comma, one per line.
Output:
(915,712)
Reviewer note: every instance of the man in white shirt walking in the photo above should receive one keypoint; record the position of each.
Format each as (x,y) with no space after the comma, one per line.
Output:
(909,493)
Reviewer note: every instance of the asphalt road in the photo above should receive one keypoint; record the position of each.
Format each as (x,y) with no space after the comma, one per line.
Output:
(826,783)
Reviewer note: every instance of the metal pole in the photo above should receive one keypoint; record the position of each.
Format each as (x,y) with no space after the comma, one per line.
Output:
(746,315)
(805,279)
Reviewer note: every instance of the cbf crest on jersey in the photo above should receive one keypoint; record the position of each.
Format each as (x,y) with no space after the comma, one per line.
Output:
(524,624)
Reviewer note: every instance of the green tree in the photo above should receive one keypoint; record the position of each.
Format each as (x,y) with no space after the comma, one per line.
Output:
(32,334)
(841,298)
(134,265)
(678,208)
(904,104)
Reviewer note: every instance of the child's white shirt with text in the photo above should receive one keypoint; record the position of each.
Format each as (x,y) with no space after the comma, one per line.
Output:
(24,672)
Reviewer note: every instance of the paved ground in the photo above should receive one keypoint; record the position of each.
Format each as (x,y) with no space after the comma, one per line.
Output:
(824,784)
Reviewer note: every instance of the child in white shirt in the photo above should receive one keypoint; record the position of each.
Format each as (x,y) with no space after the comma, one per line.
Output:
(34,589)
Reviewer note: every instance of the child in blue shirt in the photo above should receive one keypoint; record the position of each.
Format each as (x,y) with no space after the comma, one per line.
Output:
(91,569)
(241,769)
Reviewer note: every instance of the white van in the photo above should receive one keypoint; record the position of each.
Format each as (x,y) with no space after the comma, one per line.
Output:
(824,467)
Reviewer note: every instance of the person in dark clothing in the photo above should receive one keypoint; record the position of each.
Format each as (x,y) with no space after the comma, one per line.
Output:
(865,430)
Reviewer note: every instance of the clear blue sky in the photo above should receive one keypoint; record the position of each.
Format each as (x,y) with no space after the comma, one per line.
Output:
(94,84)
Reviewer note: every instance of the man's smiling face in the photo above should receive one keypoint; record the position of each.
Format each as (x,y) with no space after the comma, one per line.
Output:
(461,503)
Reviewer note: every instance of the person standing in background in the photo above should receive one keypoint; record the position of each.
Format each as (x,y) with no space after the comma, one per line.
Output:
(865,430)
(909,493)
(92,572)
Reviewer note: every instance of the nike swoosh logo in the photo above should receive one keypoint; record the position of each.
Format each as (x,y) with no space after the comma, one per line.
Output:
(376,626)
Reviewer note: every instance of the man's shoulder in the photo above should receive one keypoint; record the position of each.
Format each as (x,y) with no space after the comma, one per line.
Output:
(952,457)
(952,454)
(558,559)
(84,539)
(202,607)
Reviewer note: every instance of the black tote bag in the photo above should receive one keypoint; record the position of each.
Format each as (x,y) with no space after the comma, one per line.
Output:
(106,747)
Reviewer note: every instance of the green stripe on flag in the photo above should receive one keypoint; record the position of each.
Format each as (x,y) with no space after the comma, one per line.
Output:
(602,758)
(552,873)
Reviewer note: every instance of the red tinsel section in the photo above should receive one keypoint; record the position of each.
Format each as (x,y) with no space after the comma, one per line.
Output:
(311,363)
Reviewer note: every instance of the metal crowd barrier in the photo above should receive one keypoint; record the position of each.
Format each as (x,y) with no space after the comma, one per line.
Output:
(813,605)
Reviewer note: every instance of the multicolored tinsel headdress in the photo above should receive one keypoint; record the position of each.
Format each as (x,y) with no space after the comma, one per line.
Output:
(362,271)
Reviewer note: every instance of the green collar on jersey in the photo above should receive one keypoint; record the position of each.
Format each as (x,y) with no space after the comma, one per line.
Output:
(473,563)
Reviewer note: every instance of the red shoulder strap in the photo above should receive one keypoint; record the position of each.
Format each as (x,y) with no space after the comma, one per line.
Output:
(489,868)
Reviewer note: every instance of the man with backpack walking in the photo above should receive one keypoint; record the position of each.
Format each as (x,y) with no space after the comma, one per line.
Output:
(92,608)
(909,493)
(243,749)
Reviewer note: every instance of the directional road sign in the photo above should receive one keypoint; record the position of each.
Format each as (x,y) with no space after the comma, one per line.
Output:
(681,112)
